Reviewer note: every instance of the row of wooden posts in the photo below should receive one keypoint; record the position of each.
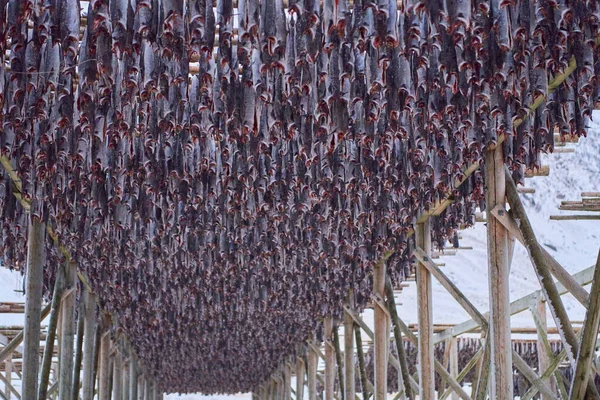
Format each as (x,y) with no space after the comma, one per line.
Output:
(495,362)
(93,359)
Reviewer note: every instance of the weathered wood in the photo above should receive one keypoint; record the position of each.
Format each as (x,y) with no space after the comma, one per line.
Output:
(133,378)
(498,277)
(89,345)
(453,363)
(542,353)
(577,217)
(141,387)
(339,362)
(51,335)
(349,368)
(9,388)
(148,389)
(460,298)
(587,345)
(329,359)
(312,374)
(8,371)
(539,260)
(33,305)
(300,371)
(391,305)
(78,353)
(464,372)
(561,274)
(104,364)
(97,348)
(117,378)
(361,363)
(531,376)
(425,317)
(126,377)
(67,339)
(480,388)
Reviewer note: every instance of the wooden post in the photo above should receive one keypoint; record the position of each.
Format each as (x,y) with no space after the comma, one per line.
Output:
(587,346)
(312,373)
(361,363)
(78,352)
(287,382)
(425,317)
(299,377)
(126,378)
(67,339)
(33,308)
(349,377)
(89,345)
(543,356)
(8,372)
(117,375)
(148,389)
(329,359)
(133,377)
(141,387)
(498,277)
(103,375)
(453,361)
(391,304)
(51,335)
(539,260)
(339,362)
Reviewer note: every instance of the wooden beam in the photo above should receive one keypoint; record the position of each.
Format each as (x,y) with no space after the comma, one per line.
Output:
(78,352)
(312,373)
(587,345)
(391,305)
(89,345)
(339,362)
(104,363)
(329,359)
(575,217)
(381,333)
(133,377)
(8,367)
(497,238)
(425,317)
(33,305)
(531,376)
(539,260)
(450,287)
(349,377)
(300,371)
(51,335)
(126,372)
(563,276)
(67,330)
(9,388)
(117,377)
(361,363)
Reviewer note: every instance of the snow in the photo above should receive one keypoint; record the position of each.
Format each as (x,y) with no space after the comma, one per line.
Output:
(573,243)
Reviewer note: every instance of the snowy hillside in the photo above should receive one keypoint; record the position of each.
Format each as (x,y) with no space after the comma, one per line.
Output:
(574,244)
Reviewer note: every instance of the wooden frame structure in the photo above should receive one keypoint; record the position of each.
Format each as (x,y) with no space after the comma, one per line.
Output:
(493,364)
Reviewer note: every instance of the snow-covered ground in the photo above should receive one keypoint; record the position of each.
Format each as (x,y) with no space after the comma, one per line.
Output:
(575,244)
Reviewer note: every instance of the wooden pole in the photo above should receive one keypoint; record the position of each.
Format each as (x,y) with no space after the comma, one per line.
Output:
(299,377)
(339,362)
(543,356)
(117,386)
(453,361)
(312,373)
(587,346)
(498,277)
(329,359)
(89,345)
(425,317)
(141,387)
(67,339)
(361,363)
(33,305)
(551,293)
(148,389)
(391,304)
(51,335)
(103,375)
(349,376)
(8,372)
(133,378)
(78,352)
(126,378)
